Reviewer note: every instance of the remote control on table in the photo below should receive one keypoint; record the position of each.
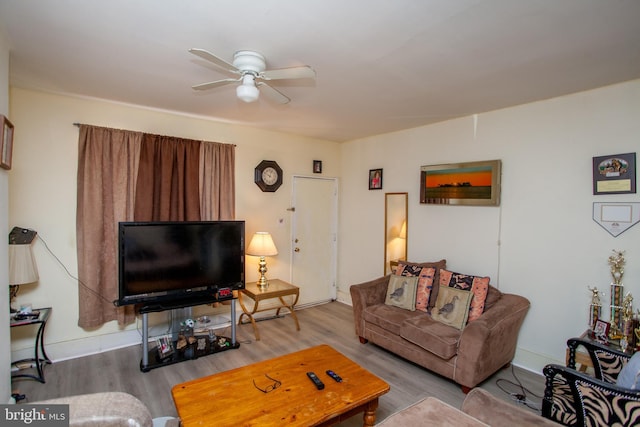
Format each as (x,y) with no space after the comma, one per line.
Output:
(314,378)
(334,376)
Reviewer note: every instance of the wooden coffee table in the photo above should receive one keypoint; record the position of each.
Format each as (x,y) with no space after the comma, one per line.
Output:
(231,398)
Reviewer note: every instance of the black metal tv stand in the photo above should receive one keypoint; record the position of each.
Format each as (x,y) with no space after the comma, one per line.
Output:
(202,346)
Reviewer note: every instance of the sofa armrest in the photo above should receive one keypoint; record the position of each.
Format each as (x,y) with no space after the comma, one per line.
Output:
(489,342)
(575,398)
(607,362)
(484,406)
(366,294)
(109,409)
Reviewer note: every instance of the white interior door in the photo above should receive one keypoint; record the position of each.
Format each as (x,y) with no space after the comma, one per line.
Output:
(314,235)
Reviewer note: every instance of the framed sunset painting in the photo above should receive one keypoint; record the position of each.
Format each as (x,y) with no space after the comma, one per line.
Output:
(471,183)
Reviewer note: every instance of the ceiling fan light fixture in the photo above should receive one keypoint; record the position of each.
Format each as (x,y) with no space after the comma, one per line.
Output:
(247,91)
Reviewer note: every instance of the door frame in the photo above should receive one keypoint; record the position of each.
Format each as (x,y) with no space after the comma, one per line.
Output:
(334,224)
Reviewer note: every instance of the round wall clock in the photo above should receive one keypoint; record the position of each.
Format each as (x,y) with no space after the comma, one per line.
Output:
(268,176)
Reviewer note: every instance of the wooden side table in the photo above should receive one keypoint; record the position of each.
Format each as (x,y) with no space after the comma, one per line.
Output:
(40,357)
(276,289)
(583,359)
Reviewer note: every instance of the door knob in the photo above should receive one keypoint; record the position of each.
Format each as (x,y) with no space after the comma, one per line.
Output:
(296,250)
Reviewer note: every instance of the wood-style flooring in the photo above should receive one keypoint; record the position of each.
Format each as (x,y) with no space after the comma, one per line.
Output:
(331,323)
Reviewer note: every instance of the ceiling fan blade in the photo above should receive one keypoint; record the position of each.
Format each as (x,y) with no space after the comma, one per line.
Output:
(302,72)
(273,94)
(214,59)
(217,83)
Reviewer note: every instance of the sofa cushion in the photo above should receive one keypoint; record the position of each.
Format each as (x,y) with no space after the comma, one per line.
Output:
(476,284)
(388,317)
(452,307)
(431,335)
(401,292)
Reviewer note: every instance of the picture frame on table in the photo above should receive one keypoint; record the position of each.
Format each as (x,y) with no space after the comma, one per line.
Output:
(468,183)
(6,143)
(601,329)
(375,179)
(614,174)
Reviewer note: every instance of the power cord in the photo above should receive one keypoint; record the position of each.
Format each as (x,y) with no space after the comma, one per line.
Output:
(520,396)
(69,273)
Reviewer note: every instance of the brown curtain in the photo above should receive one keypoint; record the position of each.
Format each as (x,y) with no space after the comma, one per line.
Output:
(217,181)
(127,176)
(107,170)
(167,187)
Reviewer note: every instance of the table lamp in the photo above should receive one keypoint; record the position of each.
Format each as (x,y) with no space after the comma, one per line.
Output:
(22,264)
(262,246)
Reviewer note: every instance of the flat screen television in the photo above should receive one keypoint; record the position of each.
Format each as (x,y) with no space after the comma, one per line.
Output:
(163,263)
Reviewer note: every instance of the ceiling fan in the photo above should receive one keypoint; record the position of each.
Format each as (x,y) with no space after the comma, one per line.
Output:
(251,67)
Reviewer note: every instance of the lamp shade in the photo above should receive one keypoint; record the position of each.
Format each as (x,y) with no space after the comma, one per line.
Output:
(403,230)
(262,245)
(22,265)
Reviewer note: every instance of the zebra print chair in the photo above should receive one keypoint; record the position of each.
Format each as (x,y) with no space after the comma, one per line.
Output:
(574,398)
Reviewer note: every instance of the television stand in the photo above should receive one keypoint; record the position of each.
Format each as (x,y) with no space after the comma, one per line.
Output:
(202,345)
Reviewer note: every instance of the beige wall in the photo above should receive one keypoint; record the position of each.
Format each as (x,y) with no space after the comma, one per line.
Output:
(5,380)
(541,242)
(43,197)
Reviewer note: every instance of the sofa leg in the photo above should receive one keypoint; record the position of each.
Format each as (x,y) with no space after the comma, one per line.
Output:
(363,340)
(465,389)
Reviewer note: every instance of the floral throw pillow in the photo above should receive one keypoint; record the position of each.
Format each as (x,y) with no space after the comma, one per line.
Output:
(426,276)
(479,286)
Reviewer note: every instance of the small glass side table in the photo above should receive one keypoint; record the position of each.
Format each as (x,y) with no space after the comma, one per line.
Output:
(40,355)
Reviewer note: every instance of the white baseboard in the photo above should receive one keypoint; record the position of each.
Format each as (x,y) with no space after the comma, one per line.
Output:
(82,347)
(60,351)
(533,362)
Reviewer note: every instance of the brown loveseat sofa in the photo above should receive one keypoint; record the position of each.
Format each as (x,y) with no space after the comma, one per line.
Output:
(467,356)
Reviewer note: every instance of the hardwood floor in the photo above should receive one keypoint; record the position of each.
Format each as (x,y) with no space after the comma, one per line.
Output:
(331,324)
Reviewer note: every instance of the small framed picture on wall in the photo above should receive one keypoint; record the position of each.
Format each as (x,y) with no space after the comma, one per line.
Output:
(6,143)
(317,166)
(375,179)
(614,174)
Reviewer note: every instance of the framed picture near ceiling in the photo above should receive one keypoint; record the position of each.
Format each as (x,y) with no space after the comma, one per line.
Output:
(375,179)
(470,183)
(614,174)
(317,166)
(6,143)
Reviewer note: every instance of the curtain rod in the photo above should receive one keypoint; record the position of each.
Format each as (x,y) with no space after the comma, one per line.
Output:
(76,124)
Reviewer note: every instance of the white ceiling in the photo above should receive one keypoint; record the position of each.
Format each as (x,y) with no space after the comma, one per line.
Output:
(382,65)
